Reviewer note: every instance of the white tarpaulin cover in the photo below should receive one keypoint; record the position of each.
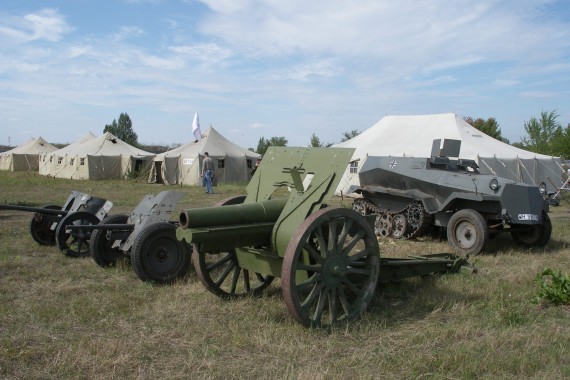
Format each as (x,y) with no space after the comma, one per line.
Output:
(181,166)
(413,136)
(25,156)
(102,157)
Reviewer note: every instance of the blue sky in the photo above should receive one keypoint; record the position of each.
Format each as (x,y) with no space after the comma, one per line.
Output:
(264,68)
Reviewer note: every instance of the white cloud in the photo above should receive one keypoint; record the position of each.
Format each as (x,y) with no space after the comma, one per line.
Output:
(324,68)
(228,7)
(126,32)
(46,24)
(162,63)
(207,52)
(539,94)
(409,34)
(78,51)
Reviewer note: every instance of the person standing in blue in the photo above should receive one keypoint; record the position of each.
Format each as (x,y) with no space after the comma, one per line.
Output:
(208,171)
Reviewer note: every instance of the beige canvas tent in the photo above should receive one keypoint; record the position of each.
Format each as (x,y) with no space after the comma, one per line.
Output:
(181,166)
(25,156)
(45,168)
(413,136)
(103,157)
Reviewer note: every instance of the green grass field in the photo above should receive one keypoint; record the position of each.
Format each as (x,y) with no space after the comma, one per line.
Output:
(64,318)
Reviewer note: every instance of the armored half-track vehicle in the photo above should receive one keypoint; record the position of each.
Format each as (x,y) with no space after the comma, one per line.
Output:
(410,194)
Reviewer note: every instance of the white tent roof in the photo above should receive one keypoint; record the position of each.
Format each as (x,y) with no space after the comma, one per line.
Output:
(413,135)
(212,142)
(32,146)
(105,145)
(71,147)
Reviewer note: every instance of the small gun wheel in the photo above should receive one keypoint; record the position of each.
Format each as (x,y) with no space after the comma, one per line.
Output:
(75,243)
(157,255)
(40,227)
(102,249)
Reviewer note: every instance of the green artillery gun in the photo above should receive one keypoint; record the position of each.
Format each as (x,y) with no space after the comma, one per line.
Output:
(328,258)
(50,224)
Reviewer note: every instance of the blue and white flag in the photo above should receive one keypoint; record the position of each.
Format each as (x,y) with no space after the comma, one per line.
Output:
(196,128)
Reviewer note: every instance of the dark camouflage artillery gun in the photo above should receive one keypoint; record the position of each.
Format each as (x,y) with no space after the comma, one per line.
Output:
(408,195)
(327,257)
(49,224)
(146,236)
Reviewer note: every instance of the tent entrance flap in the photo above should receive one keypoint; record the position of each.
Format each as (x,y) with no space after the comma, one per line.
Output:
(158,171)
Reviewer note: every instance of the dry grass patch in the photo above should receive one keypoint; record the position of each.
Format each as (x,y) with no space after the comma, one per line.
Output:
(68,318)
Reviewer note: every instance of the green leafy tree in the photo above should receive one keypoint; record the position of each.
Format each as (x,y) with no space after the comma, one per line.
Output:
(489,127)
(123,129)
(316,142)
(561,143)
(544,134)
(349,135)
(264,144)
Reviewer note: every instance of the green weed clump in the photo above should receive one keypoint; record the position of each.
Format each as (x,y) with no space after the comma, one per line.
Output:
(553,287)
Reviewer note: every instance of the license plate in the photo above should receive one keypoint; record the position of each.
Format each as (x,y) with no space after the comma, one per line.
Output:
(528,217)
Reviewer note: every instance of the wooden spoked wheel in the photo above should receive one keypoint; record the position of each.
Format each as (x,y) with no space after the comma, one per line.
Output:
(330,268)
(220,271)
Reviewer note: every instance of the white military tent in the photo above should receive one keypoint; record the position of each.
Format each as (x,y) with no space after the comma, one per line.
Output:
(103,157)
(413,136)
(181,166)
(25,156)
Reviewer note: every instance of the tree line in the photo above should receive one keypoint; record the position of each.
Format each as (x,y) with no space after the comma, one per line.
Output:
(544,134)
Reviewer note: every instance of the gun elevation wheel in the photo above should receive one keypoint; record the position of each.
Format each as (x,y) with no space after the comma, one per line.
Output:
(467,232)
(158,256)
(40,226)
(102,249)
(330,268)
(75,243)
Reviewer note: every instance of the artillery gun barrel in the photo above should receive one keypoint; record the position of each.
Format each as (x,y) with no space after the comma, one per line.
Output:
(226,227)
(40,210)
(260,212)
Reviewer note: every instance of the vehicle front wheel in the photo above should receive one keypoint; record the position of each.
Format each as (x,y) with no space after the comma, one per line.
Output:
(467,232)
(536,235)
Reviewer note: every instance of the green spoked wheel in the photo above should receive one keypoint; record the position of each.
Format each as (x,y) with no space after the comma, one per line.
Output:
(330,268)
(40,226)
(101,248)
(221,274)
(75,242)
